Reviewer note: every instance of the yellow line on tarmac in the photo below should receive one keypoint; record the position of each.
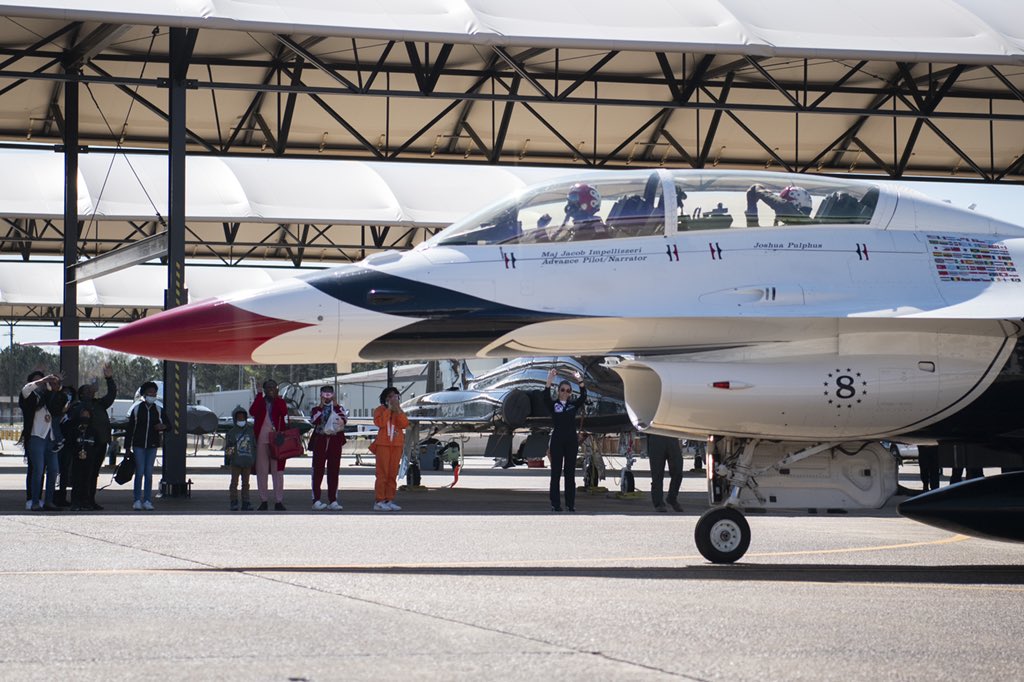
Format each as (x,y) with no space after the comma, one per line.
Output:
(875,548)
(464,564)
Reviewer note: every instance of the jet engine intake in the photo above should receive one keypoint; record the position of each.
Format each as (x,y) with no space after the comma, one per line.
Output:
(824,397)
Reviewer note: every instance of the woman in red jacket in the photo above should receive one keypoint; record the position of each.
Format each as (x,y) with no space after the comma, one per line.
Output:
(391,424)
(328,420)
(270,413)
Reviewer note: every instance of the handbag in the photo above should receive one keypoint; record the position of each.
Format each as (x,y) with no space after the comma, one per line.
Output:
(126,469)
(286,444)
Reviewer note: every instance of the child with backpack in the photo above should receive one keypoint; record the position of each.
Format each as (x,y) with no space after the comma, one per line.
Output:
(240,452)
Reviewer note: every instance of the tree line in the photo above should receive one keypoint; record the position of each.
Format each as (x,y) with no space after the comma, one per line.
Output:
(130,371)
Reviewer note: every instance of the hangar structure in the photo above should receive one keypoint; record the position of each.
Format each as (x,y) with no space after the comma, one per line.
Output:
(914,89)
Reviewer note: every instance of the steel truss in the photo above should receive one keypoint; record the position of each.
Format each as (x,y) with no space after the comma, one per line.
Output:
(537,83)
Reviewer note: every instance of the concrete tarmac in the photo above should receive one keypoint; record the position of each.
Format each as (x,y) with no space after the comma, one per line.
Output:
(481,581)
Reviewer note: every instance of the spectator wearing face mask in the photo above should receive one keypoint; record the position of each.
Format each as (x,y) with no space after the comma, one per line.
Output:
(328,419)
(240,452)
(269,414)
(391,422)
(146,421)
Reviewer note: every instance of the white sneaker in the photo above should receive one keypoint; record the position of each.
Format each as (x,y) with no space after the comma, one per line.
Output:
(392,506)
(319,506)
(137,506)
(334,506)
(381,506)
(148,506)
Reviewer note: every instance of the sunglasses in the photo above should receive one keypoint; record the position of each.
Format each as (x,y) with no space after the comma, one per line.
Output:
(565,390)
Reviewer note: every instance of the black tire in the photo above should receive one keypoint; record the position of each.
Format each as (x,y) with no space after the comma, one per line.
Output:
(515,408)
(722,535)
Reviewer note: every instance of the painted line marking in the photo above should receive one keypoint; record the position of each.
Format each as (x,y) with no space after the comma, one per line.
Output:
(307,568)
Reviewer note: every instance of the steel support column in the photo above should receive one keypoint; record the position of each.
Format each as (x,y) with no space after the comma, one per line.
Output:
(69,311)
(176,373)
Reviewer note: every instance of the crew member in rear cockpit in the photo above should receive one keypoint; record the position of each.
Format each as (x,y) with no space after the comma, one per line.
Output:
(792,205)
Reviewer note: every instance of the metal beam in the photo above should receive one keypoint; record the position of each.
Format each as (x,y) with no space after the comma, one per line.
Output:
(102,37)
(137,252)
(69,321)
(31,49)
(506,118)
(285,128)
(716,118)
(425,74)
(467,108)
(304,53)
(176,373)
(522,72)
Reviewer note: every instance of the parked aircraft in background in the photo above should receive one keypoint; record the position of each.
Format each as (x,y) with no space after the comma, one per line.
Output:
(799,318)
(507,398)
(199,419)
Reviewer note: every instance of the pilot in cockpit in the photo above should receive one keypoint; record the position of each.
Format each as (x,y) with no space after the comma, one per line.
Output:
(792,205)
(581,206)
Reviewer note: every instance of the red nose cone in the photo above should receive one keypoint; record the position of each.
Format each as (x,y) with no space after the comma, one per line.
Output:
(208,332)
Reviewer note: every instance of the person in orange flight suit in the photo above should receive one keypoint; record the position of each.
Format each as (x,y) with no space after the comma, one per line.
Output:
(387,448)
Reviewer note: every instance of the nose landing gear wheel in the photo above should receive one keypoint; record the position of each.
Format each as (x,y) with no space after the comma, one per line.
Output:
(722,535)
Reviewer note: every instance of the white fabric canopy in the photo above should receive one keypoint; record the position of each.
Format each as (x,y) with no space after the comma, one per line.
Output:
(141,286)
(964,31)
(279,190)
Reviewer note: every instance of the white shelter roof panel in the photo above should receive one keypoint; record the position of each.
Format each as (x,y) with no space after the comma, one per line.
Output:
(141,286)
(274,190)
(966,30)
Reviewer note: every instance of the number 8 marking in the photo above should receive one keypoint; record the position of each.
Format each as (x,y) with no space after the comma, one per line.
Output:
(845,389)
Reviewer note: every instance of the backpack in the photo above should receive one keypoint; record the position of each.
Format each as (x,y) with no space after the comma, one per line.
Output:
(126,469)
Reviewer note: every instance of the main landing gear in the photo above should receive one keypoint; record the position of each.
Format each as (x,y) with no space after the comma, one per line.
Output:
(722,533)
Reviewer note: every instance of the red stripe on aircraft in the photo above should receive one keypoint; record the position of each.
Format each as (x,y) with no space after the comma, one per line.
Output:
(209,332)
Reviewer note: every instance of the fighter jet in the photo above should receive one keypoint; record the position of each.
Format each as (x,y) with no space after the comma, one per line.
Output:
(507,398)
(801,319)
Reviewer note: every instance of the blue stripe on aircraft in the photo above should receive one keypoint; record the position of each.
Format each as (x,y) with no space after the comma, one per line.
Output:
(455,325)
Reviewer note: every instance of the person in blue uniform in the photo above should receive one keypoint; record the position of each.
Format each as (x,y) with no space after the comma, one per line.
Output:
(564,440)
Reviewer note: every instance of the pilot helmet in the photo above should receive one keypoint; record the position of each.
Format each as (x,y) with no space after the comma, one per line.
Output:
(583,201)
(797,196)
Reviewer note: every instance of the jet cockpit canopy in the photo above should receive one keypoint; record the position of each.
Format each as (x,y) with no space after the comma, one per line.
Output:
(641,203)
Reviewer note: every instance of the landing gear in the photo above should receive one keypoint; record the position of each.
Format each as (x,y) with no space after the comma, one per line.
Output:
(850,473)
(722,535)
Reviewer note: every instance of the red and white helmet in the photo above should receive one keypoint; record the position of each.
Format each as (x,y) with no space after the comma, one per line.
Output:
(797,196)
(582,201)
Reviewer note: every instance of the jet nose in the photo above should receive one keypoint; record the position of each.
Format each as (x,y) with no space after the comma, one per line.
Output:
(990,507)
(211,331)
